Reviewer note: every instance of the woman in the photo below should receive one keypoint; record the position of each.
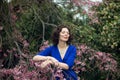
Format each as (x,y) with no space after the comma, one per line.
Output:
(61,54)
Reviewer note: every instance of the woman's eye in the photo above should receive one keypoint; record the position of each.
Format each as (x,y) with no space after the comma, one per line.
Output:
(65,32)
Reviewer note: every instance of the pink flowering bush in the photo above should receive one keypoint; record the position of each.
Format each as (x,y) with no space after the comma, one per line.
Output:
(89,65)
(27,69)
(95,65)
(30,71)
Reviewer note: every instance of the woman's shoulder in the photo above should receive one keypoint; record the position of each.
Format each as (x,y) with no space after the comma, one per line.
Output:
(52,46)
(72,46)
(48,48)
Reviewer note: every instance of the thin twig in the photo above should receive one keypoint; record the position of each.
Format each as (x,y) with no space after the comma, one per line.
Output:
(20,52)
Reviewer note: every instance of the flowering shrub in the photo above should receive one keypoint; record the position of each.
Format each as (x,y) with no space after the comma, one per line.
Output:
(94,65)
(27,69)
(89,65)
(30,71)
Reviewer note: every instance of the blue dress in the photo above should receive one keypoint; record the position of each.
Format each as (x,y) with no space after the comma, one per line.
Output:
(69,58)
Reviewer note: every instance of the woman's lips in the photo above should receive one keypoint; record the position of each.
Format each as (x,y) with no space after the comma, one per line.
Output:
(66,37)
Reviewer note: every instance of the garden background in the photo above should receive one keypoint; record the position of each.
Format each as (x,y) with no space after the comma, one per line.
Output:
(26,26)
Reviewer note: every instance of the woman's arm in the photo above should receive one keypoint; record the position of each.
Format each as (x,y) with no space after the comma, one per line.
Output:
(51,60)
(62,65)
(39,58)
(57,63)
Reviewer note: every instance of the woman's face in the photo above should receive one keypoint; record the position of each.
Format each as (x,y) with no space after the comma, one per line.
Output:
(64,35)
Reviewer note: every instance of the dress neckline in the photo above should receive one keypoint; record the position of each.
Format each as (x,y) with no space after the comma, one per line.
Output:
(64,54)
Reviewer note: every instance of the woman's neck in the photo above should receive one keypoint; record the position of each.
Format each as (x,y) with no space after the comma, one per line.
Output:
(62,44)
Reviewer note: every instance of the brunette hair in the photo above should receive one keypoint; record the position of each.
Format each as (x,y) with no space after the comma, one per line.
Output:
(56,33)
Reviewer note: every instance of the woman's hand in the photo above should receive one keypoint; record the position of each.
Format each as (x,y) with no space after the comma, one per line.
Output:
(52,59)
(45,63)
(49,61)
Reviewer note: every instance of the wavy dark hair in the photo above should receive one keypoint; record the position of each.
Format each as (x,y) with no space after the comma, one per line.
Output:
(56,32)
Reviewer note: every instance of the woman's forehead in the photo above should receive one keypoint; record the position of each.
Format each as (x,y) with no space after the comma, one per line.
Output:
(64,29)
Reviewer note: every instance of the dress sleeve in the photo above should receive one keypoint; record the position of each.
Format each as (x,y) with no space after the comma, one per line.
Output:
(45,52)
(71,57)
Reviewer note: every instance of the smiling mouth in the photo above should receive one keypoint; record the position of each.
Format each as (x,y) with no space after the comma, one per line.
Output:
(66,37)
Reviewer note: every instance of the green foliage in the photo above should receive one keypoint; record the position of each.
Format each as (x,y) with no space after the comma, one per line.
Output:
(27,24)
(108,28)
(6,37)
(37,21)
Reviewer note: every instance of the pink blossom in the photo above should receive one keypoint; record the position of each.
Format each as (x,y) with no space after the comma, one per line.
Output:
(59,74)
(83,69)
(84,12)
(1,28)
(16,55)
(14,17)
(79,53)
(99,54)
(91,58)
(0,50)
(83,63)
(5,55)
(46,42)
(78,62)
(14,49)
(83,48)
(9,51)
(26,44)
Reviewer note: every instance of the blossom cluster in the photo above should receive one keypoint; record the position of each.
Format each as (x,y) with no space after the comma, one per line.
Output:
(92,61)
